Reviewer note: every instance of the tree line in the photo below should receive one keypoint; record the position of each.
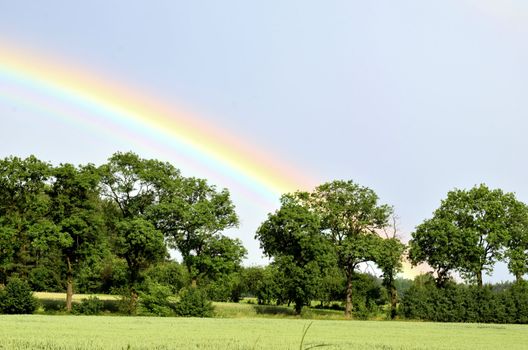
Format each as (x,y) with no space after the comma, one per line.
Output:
(108,228)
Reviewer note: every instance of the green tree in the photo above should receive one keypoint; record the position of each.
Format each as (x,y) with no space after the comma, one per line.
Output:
(292,237)
(141,245)
(75,212)
(517,243)
(23,208)
(467,232)
(135,186)
(350,218)
(389,259)
(192,218)
(220,256)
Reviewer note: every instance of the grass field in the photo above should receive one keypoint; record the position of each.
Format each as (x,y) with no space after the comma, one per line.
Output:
(109,332)
(222,310)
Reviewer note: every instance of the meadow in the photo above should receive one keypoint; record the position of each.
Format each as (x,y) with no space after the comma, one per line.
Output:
(111,332)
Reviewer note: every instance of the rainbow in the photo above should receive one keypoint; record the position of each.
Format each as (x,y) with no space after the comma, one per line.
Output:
(78,95)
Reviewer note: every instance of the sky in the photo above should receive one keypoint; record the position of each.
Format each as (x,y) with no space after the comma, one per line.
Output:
(409,98)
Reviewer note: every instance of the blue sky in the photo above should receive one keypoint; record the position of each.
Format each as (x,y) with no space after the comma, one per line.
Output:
(410,98)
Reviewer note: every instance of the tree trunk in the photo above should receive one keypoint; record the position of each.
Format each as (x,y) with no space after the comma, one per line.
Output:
(134,297)
(518,277)
(348,304)
(298,307)
(393,300)
(479,278)
(69,286)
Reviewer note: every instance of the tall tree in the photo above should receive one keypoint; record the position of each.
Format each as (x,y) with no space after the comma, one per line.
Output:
(467,232)
(388,258)
(135,186)
(220,256)
(292,237)
(141,245)
(350,218)
(23,208)
(517,243)
(191,216)
(75,212)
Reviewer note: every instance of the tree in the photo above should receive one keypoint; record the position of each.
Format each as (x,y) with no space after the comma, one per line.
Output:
(135,186)
(439,243)
(389,260)
(517,243)
(23,208)
(74,210)
(220,256)
(350,218)
(388,257)
(192,218)
(141,245)
(467,232)
(292,237)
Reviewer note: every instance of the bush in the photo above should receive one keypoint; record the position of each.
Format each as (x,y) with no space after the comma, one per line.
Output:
(91,306)
(17,298)
(155,300)
(462,303)
(226,288)
(44,279)
(169,273)
(193,303)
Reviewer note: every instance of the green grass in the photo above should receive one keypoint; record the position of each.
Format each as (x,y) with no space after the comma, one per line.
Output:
(54,303)
(109,332)
(76,297)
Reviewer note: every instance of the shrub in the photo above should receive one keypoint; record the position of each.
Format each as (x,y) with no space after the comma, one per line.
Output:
(17,298)
(193,303)
(91,306)
(169,273)
(155,300)
(44,279)
(226,288)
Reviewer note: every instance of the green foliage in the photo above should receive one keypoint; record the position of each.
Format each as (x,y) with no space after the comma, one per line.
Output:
(140,244)
(90,306)
(350,218)
(219,256)
(292,237)
(45,279)
(17,298)
(194,303)
(225,288)
(154,300)
(168,273)
(462,303)
(191,216)
(467,232)
(23,209)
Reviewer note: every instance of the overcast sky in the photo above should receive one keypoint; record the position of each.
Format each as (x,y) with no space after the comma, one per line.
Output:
(409,98)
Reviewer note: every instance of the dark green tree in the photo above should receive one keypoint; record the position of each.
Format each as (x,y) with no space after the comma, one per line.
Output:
(293,238)
(135,184)
(75,213)
(192,218)
(23,208)
(388,257)
(467,232)
(220,256)
(351,218)
(517,243)
(141,245)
